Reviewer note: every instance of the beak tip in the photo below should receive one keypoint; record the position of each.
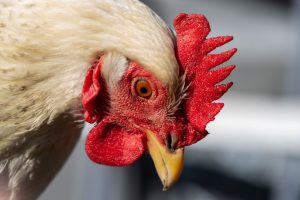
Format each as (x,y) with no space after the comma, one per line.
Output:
(168,164)
(165,185)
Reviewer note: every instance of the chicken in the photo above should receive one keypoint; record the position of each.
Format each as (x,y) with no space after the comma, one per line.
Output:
(113,63)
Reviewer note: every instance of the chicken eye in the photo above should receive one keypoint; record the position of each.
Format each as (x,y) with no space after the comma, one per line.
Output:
(143,89)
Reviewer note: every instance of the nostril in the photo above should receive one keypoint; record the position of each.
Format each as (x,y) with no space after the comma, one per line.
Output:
(171,141)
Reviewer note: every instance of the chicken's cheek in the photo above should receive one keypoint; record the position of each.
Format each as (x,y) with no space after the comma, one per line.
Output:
(110,144)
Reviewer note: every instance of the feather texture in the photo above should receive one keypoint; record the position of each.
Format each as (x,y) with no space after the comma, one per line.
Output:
(46,47)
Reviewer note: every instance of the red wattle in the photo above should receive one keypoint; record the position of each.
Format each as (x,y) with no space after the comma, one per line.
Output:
(110,144)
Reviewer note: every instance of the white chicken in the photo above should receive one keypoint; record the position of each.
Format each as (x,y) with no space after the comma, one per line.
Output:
(46,49)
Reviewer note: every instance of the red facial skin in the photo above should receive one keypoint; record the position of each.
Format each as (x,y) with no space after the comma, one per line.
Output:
(125,102)
(122,116)
(119,139)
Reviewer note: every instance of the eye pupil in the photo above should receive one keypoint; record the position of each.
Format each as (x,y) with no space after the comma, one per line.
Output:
(144,90)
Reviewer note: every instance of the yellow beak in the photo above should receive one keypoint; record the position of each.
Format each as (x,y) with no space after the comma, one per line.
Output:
(168,164)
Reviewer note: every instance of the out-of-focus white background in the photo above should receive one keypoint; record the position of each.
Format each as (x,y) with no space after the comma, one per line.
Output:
(253,151)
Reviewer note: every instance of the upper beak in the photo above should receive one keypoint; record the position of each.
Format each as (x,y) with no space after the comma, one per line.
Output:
(168,163)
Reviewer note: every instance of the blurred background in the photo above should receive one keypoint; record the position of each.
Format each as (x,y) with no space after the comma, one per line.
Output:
(253,151)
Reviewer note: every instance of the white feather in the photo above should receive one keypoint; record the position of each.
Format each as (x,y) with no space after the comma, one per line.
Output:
(113,68)
(46,47)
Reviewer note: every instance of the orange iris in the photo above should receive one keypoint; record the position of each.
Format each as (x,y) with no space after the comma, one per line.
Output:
(143,89)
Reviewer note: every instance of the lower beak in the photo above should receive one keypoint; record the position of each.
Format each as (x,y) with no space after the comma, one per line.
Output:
(168,164)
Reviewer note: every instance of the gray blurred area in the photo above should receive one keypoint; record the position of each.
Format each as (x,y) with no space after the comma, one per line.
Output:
(263,34)
(253,151)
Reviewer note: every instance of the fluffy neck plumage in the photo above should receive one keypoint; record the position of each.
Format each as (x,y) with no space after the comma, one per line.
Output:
(46,48)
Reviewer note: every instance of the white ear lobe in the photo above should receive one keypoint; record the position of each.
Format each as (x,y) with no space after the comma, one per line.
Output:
(113,68)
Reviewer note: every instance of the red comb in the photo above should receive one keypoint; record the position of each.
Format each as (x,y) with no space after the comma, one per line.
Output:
(193,54)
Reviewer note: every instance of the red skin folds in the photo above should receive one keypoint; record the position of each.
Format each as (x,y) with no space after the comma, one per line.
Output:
(93,92)
(91,89)
(121,115)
